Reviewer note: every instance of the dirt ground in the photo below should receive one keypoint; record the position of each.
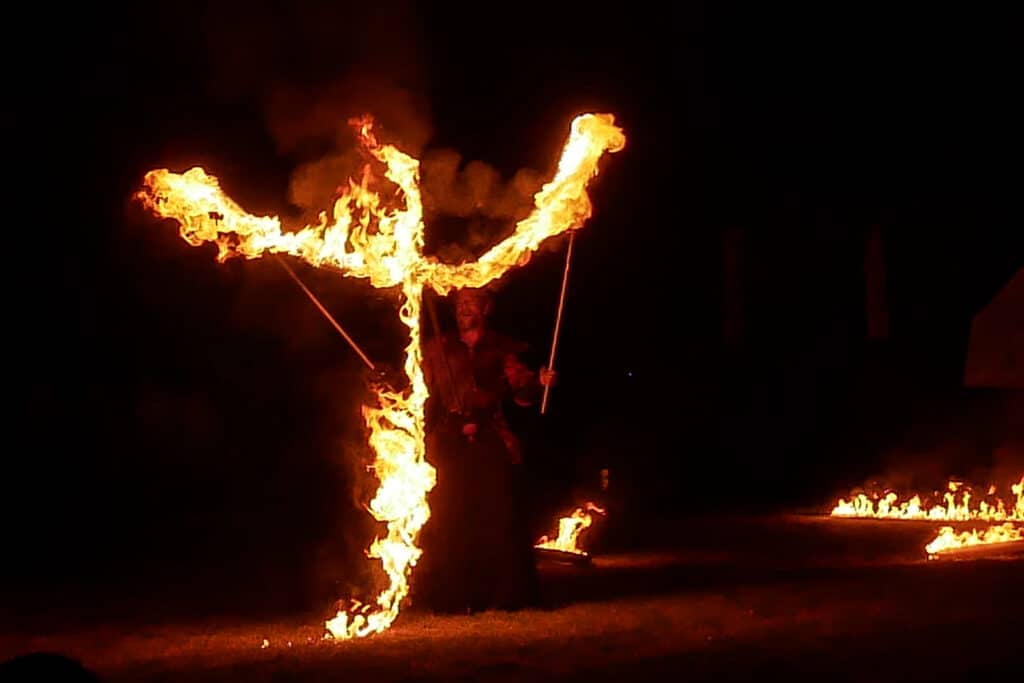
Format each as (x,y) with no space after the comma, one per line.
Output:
(796,597)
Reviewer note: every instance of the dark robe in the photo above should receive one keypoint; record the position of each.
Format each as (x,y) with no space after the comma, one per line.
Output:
(477,550)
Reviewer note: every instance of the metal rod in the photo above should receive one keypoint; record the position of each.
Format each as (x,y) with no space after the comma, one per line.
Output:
(323,310)
(558,320)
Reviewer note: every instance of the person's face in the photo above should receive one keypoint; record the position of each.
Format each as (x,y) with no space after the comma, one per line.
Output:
(470,311)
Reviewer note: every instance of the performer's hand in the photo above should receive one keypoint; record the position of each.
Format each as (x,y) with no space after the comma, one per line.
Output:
(547,377)
(516,372)
(382,377)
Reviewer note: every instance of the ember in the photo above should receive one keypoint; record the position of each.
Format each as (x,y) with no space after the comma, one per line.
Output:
(364,237)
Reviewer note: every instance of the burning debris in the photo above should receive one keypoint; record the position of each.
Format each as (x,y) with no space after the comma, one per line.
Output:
(959,503)
(364,237)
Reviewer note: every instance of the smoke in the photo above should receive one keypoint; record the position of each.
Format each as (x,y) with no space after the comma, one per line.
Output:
(307,68)
(310,67)
(469,205)
(475,189)
(1008,454)
(977,437)
(315,124)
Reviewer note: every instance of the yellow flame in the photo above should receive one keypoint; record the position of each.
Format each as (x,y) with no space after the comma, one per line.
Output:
(569,530)
(988,508)
(364,237)
(948,539)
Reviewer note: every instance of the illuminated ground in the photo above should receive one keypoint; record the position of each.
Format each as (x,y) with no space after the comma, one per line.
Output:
(800,597)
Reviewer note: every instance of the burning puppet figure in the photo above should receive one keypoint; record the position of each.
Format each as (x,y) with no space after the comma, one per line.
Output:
(477,549)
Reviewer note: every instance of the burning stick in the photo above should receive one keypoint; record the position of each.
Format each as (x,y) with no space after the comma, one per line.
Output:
(558,320)
(362,237)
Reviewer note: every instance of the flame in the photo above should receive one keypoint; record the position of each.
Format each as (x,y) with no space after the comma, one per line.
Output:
(363,236)
(965,507)
(988,507)
(569,530)
(948,539)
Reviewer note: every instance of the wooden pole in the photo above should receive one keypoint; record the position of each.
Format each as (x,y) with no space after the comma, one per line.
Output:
(558,319)
(323,310)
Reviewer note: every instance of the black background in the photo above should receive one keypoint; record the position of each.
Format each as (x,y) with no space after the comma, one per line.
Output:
(183,423)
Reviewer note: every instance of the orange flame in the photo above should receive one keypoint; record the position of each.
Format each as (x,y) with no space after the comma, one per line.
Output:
(364,238)
(988,507)
(948,539)
(569,530)
(964,507)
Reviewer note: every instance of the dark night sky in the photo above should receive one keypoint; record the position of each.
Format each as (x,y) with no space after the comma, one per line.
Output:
(155,376)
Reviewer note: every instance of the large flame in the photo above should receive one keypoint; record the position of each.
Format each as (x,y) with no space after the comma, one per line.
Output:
(569,530)
(364,236)
(988,507)
(959,504)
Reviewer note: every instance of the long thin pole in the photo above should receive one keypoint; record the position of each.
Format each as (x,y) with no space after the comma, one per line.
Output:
(432,312)
(323,310)
(558,319)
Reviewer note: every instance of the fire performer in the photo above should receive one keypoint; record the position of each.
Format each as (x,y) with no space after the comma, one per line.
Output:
(478,550)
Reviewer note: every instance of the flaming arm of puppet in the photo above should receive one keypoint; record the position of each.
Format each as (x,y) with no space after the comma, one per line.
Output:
(206,214)
(562,204)
(342,238)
